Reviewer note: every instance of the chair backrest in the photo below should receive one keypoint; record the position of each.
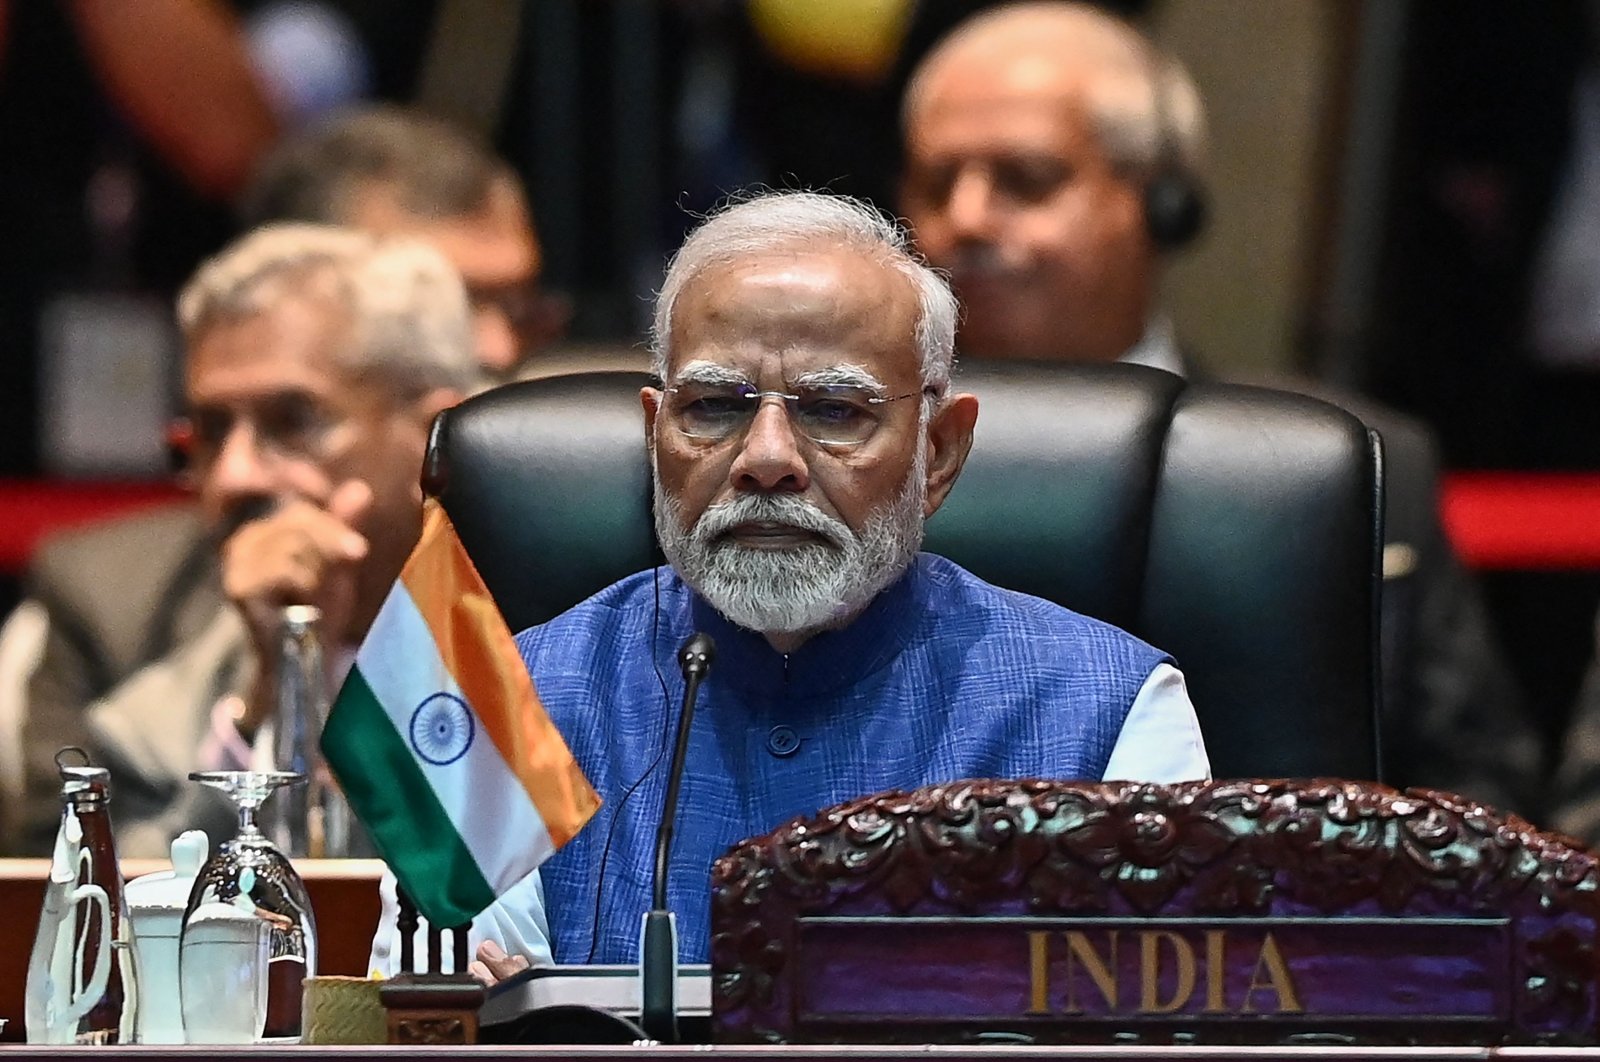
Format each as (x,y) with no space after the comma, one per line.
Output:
(1238,528)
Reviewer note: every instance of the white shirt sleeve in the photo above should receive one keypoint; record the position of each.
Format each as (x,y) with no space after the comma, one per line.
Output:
(516,921)
(1160,739)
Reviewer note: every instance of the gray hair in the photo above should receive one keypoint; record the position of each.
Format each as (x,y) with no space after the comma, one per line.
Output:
(433,168)
(773,221)
(1145,108)
(406,304)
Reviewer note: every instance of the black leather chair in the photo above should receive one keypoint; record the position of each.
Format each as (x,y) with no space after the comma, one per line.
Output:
(1235,527)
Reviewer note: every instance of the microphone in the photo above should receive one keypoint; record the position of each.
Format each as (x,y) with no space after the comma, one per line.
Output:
(658,941)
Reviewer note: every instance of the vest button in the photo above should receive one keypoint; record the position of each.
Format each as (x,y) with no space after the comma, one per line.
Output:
(783,741)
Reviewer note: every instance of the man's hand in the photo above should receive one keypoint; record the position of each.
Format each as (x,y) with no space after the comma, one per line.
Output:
(493,965)
(298,554)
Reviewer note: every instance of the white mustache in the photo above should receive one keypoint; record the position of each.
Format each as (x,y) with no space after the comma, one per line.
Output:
(785,509)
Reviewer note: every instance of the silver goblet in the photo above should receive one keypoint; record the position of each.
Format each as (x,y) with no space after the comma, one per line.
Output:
(248,930)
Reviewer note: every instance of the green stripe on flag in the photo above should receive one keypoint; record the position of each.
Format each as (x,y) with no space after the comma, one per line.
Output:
(392,797)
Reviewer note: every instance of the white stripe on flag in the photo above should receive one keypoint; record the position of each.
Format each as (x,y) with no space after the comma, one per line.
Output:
(492,811)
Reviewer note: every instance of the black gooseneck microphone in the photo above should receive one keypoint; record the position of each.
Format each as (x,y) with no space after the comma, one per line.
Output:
(658,941)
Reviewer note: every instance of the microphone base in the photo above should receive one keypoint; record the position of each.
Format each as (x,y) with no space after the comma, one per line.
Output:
(658,976)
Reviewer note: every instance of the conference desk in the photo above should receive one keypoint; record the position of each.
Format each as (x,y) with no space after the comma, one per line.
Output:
(842,1053)
(344,897)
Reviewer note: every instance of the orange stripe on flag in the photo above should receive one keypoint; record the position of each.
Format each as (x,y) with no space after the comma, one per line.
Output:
(482,656)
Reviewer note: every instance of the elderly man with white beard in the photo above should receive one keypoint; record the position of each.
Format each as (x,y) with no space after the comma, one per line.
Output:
(804,432)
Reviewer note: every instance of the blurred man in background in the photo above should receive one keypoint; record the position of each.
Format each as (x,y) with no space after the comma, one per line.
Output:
(126,129)
(385,169)
(316,360)
(394,171)
(1053,161)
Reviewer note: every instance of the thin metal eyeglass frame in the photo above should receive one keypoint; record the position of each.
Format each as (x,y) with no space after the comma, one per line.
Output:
(757,397)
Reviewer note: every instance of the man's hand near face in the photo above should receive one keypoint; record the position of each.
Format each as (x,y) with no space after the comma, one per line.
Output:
(299,553)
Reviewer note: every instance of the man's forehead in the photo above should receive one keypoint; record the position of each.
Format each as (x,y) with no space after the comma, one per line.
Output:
(988,91)
(1045,69)
(833,283)
(808,307)
(291,344)
(1034,45)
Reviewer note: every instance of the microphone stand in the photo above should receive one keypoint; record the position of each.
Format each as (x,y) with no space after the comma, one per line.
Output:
(658,940)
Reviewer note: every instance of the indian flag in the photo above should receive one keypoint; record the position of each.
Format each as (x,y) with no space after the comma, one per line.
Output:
(441,745)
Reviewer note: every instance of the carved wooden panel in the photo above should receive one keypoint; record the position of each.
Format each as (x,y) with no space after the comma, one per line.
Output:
(432,1008)
(1272,911)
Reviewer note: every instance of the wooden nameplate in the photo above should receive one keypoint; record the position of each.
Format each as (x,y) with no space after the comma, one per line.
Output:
(1225,912)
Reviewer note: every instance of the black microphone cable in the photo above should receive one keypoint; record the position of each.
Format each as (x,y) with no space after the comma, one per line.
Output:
(622,801)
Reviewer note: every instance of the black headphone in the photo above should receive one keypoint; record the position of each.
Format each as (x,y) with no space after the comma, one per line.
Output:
(1175,204)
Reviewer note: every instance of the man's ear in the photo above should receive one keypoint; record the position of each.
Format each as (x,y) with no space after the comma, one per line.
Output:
(949,440)
(650,400)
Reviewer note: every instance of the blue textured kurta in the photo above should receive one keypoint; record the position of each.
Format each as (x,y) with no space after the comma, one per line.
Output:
(943,677)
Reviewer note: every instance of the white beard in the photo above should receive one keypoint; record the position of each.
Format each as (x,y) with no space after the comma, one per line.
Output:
(810,587)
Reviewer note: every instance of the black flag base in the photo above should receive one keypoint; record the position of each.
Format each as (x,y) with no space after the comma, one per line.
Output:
(431,1007)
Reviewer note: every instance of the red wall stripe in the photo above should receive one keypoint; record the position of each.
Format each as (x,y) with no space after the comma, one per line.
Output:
(1497,520)
(32,509)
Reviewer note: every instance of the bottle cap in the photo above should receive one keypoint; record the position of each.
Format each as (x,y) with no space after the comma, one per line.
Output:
(78,775)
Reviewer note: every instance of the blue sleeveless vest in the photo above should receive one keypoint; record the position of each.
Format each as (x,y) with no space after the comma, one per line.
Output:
(942,677)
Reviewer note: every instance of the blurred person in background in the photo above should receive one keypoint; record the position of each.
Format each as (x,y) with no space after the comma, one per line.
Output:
(394,171)
(1052,165)
(1555,171)
(385,169)
(179,72)
(316,359)
(125,129)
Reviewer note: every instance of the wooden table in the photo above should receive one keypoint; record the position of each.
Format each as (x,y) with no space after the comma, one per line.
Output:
(920,1053)
(344,897)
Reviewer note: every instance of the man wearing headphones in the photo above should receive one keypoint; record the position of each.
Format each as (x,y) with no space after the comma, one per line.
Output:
(1052,160)
(1032,134)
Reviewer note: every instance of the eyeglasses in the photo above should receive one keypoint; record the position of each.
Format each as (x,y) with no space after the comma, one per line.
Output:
(293,426)
(834,415)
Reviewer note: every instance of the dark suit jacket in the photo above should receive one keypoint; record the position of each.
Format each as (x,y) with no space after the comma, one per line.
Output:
(1452,716)
(141,645)
(1576,804)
